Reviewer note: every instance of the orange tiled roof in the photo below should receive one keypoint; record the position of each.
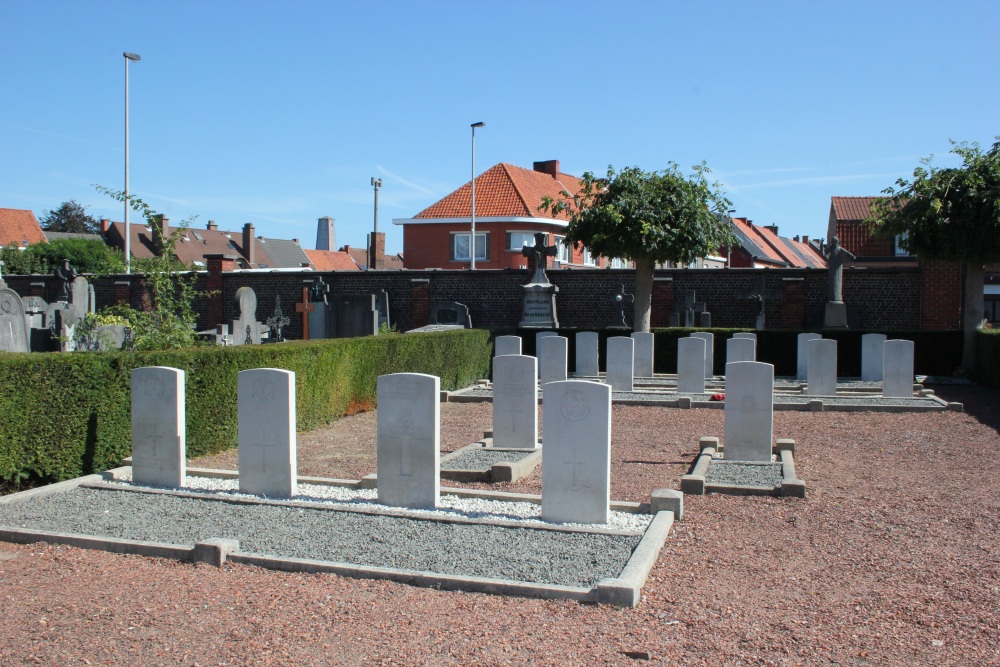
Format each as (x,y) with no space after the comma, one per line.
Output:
(771,248)
(332,260)
(504,190)
(845,208)
(18,226)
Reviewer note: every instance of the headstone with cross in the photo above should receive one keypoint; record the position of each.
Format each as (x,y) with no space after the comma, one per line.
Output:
(897,371)
(515,402)
(246,329)
(620,363)
(618,302)
(277,322)
(761,295)
(158,418)
(408,440)
(749,411)
(690,312)
(576,477)
(266,416)
(539,307)
(821,378)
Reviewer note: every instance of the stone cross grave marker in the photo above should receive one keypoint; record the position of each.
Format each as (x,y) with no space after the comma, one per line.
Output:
(586,354)
(158,444)
(13,325)
(872,357)
(709,351)
(277,322)
(691,365)
(515,402)
(506,345)
(897,371)
(749,411)
(821,378)
(618,302)
(741,349)
(409,440)
(761,295)
(540,252)
(266,415)
(688,312)
(305,307)
(576,477)
(802,365)
(643,354)
(553,359)
(620,363)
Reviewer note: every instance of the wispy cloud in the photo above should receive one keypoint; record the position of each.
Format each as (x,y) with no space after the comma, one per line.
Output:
(65,137)
(815,180)
(405,181)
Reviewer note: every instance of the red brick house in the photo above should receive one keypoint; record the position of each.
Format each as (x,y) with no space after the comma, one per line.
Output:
(507,217)
(19,227)
(847,215)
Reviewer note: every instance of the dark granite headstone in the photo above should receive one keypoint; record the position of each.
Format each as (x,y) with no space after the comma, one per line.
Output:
(450,312)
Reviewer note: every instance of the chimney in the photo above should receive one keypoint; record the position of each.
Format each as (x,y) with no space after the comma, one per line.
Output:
(376,251)
(773,228)
(248,243)
(161,231)
(805,239)
(326,234)
(212,226)
(105,225)
(550,167)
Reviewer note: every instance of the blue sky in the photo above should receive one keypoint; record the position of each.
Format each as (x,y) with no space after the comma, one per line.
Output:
(279,113)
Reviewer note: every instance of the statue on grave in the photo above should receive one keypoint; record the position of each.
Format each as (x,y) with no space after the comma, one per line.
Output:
(539,251)
(318,290)
(835,259)
(618,301)
(65,275)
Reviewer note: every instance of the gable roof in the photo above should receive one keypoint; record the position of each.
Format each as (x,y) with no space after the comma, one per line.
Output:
(285,253)
(389,262)
(853,209)
(194,245)
(765,246)
(19,226)
(505,190)
(331,260)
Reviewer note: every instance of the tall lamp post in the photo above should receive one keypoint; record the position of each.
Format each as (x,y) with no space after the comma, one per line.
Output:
(472,239)
(372,257)
(128,236)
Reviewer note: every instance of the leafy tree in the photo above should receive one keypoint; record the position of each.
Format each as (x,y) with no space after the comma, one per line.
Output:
(649,217)
(19,262)
(950,214)
(70,217)
(84,255)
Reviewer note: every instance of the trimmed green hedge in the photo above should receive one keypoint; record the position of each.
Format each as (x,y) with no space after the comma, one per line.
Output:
(64,415)
(988,357)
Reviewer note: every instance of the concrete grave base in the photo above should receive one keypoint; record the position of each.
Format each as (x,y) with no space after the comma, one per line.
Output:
(694,483)
(524,462)
(622,590)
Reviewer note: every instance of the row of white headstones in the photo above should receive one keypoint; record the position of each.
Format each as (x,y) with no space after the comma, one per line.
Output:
(882,360)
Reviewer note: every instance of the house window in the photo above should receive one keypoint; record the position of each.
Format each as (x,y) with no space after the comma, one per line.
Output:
(898,247)
(564,251)
(588,259)
(518,240)
(460,246)
(616,263)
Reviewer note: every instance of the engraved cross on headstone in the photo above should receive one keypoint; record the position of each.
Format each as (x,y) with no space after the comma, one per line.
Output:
(759,294)
(574,463)
(539,251)
(262,447)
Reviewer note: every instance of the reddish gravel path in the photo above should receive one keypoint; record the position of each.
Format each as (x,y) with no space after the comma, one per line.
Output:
(891,560)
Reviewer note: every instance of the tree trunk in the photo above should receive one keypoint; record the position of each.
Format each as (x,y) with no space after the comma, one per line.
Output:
(972,315)
(643,293)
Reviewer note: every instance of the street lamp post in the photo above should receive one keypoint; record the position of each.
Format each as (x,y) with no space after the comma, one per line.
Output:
(472,239)
(372,257)
(128,236)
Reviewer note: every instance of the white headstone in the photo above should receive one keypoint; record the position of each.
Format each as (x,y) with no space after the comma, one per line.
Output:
(741,349)
(621,351)
(267,456)
(871,357)
(539,335)
(586,354)
(749,411)
(691,365)
(158,426)
(802,367)
(897,381)
(643,361)
(409,440)
(506,345)
(746,334)
(709,351)
(553,356)
(821,378)
(576,476)
(515,402)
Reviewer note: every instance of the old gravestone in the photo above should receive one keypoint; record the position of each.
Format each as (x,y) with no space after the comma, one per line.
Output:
(13,325)
(802,366)
(353,315)
(749,411)
(691,365)
(576,477)
(158,446)
(80,296)
(709,339)
(643,361)
(586,354)
(872,356)
(897,381)
(741,349)
(504,345)
(266,416)
(35,309)
(618,302)
(451,312)
(515,402)
(246,330)
(821,378)
(553,359)
(539,295)
(620,363)
(409,440)
(690,313)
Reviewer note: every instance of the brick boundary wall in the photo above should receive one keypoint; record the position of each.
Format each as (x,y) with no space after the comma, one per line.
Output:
(878,299)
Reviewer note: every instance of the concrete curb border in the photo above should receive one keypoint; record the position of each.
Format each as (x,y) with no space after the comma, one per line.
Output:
(694,483)
(504,471)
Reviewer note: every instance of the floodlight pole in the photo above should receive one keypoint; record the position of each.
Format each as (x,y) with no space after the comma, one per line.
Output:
(128,245)
(472,239)
(372,257)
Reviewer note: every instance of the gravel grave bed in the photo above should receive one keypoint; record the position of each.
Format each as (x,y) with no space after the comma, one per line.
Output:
(743,473)
(481,459)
